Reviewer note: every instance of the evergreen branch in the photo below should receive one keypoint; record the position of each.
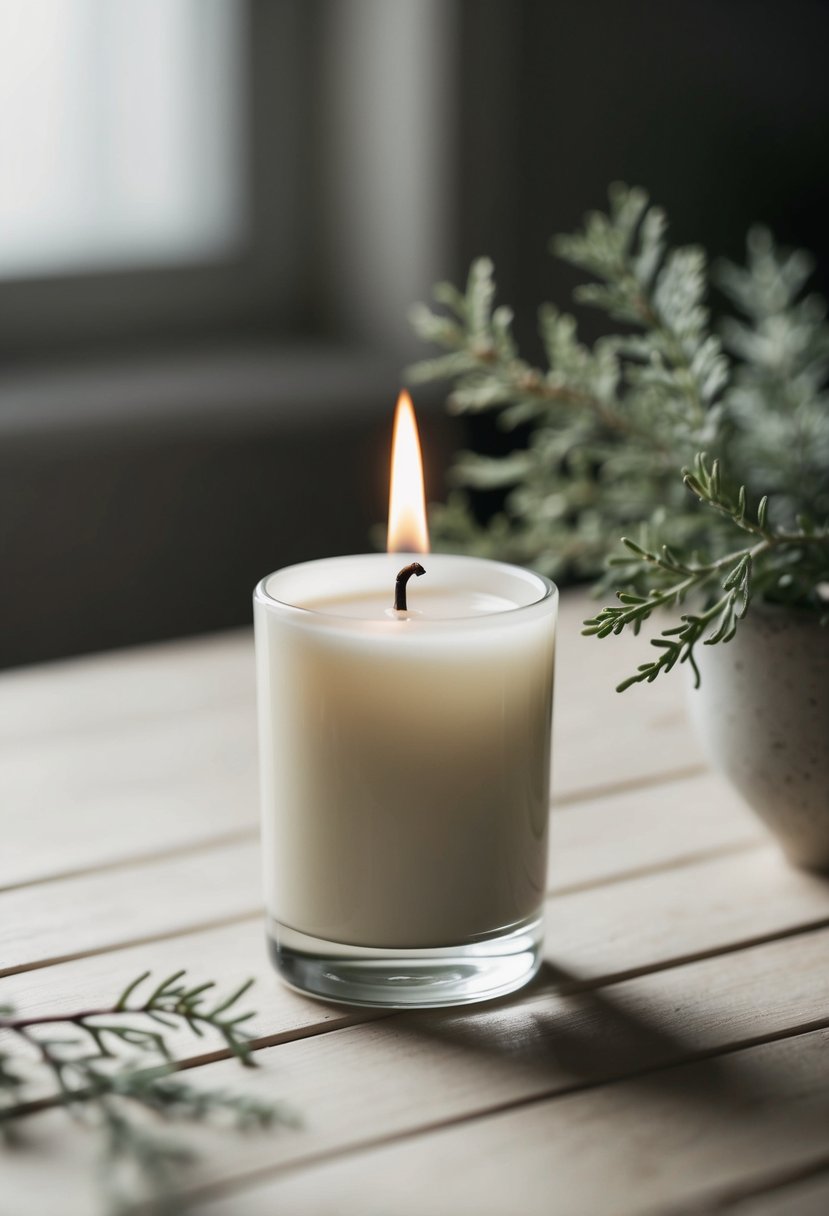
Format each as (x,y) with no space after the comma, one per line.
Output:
(613,432)
(677,579)
(707,485)
(616,407)
(97,1075)
(676,644)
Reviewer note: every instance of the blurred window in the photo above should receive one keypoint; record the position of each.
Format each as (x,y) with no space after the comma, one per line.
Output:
(120,133)
(198,171)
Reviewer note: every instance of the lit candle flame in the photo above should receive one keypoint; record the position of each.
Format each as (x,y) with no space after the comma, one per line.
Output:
(408,530)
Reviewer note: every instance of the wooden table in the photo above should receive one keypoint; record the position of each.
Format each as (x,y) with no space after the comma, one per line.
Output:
(671,1057)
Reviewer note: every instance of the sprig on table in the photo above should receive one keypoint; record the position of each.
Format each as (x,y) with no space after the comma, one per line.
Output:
(116,1068)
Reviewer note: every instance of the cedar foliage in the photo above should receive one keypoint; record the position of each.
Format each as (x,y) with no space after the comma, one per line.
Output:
(706,451)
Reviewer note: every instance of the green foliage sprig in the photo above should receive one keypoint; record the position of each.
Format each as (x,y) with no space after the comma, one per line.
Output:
(673,580)
(115,1067)
(618,431)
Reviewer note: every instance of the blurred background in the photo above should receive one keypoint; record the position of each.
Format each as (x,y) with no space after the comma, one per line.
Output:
(215,215)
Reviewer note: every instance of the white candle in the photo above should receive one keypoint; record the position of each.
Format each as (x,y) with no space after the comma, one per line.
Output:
(405,763)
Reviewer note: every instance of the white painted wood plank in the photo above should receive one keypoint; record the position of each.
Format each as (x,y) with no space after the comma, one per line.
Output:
(401,1076)
(92,800)
(601,737)
(101,910)
(122,688)
(113,908)
(633,923)
(128,799)
(102,797)
(235,952)
(135,753)
(682,912)
(667,1142)
(628,833)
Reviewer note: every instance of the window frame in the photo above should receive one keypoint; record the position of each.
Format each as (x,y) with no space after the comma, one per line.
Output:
(320,261)
(253,286)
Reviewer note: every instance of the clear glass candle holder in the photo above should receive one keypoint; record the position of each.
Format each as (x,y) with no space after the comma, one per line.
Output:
(405,774)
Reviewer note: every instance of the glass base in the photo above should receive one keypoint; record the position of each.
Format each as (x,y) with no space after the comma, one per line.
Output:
(407,979)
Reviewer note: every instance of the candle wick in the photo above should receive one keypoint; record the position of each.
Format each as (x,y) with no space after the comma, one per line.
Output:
(400,585)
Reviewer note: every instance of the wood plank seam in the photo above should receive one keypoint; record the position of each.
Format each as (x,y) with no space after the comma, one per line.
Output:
(259,1043)
(529,995)
(804,1028)
(697,956)
(246,834)
(185,849)
(563,803)
(242,1182)
(770,1037)
(626,785)
(127,944)
(673,863)
(727,1199)
(604,980)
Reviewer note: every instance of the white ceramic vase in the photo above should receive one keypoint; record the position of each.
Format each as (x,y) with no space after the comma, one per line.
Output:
(762,712)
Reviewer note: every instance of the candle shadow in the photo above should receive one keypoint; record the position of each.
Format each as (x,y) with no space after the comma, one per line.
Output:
(560,1036)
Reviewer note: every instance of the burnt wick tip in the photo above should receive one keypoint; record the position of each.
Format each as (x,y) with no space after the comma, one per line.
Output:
(400,585)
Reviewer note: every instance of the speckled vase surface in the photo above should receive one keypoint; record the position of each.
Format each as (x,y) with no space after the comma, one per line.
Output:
(762,712)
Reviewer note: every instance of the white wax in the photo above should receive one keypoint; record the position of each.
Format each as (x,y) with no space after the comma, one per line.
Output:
(405,758)
(424,604)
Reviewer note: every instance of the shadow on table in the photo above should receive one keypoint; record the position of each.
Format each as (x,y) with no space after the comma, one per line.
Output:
(564,1037)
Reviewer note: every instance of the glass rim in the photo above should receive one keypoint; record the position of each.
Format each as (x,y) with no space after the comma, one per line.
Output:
(542,605)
